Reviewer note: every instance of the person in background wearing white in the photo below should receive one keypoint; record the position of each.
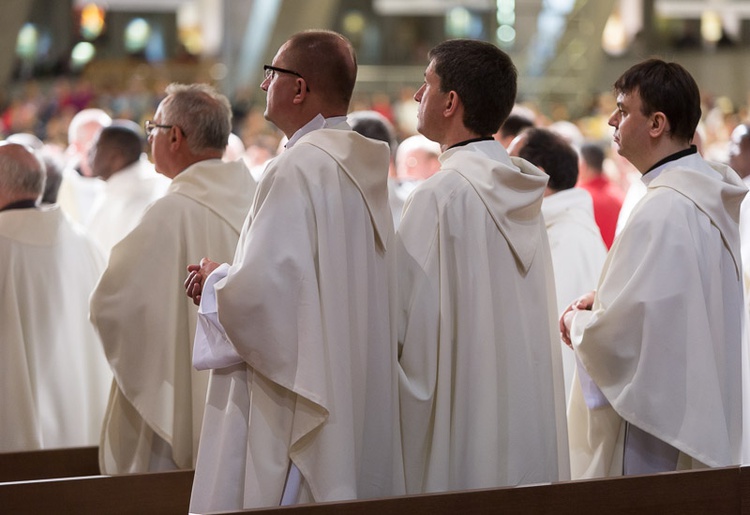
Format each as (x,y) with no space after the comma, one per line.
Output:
(55,380)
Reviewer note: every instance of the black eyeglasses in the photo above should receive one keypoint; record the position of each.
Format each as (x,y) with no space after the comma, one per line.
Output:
(150,126)
(269,71)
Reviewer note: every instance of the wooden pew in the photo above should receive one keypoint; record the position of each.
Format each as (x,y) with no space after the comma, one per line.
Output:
(162,493)
(51,463)
(712,491)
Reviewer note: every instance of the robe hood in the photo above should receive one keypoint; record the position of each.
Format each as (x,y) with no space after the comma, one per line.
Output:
(358,156)
(198,183)
(486,165)
(572,204)
(719,199)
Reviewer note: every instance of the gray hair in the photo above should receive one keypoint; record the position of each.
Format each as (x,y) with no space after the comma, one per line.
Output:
(203,115)
(22,178)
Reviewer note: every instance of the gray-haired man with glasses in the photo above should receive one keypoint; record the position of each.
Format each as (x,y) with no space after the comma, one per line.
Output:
(302,404)
(145,322)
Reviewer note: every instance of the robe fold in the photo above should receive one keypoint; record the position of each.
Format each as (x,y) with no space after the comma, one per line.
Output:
(306,307)
(481,386)
(146,322)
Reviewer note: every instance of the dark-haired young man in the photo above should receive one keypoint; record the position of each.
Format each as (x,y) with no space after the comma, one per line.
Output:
(480,374)
(660,340)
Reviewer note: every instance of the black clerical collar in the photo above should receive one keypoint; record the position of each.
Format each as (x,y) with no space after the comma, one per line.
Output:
(472,140)
(673,157)
(20,204)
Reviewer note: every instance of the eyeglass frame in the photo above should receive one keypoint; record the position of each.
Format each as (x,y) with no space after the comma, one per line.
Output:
(269,70)
(149,126)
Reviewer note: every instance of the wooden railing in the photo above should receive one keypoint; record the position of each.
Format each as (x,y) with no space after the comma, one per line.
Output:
(711,491)
(53,463)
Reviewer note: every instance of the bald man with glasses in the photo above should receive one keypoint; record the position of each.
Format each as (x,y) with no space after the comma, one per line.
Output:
(145,323)
(302,403)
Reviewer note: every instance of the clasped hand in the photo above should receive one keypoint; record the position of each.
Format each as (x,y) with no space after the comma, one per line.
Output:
(196,278)
(583,302)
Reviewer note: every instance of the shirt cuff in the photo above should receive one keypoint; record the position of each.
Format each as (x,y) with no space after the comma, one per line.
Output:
(212,348)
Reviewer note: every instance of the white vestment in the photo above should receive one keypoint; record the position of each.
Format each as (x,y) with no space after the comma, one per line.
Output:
(55,379)
(306,306)
(78,193)
(481,384)
(147,323)
(578,254)
(663,339)
(122,202)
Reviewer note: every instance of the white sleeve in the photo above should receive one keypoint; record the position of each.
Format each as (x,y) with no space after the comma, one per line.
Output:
(591,393)
(212,348)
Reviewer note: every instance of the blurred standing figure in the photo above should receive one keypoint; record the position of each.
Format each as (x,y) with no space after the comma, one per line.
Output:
(578,252)
(303,401)
(139,309)
(79,189)
(55,380)
(131,183)
(606,195)
(659,343)
(481,384)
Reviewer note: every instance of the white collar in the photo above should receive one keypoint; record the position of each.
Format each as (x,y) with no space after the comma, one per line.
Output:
(316,123)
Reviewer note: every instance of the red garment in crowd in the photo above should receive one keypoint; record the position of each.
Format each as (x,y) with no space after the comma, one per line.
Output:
(607,203)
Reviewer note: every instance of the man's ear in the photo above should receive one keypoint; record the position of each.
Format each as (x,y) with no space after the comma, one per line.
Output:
(451,104)
(658,124)
(301,91)
(176,137)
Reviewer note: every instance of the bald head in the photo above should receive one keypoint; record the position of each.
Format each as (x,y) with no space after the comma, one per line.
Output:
(21,174)
(328,63)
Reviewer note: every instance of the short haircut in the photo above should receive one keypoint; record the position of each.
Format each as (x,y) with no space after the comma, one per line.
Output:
(374,125)
(53,165)
(203,115)
(483,76)
(668,88)
(327,61)
(20,177)
(552,153)
(514,124)
(124,139)
(593,155)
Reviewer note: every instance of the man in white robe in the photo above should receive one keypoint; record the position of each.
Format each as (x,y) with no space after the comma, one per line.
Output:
(79,189)
(55,380)
(302,403)
(578,251)
(143,318)
(131,183)
(659,343)
(481,384)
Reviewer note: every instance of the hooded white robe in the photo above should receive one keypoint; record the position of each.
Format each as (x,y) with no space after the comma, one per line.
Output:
(578,254)
(55,379)
(306,306)
(122,202)
(663,339)
(481,384)
(147,324)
